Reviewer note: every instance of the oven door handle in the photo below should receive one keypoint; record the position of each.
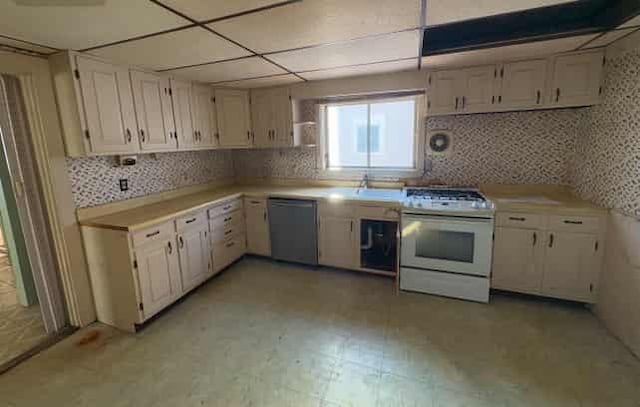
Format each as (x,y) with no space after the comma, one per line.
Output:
(443,219)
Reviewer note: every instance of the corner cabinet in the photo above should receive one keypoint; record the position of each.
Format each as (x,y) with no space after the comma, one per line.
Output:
(567,80)
(234,118)
(557,256)
(95,104)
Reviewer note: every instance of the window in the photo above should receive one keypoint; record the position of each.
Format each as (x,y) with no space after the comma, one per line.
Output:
(369,135)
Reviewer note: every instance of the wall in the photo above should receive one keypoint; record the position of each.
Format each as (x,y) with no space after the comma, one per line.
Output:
(519,147)
(608,173)
(95,180)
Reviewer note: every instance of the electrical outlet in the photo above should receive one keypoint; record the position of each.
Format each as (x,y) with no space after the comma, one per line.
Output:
(124,184)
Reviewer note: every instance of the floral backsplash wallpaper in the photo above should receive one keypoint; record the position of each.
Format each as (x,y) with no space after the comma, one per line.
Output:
(595,150)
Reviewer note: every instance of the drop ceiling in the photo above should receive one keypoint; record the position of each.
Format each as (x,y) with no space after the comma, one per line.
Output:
(255,43)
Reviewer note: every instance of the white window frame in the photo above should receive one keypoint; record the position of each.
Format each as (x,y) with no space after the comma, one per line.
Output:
(357,172)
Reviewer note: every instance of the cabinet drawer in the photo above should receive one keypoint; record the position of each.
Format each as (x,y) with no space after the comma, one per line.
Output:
(584,224)
(228,251)
(337,209)
(152,234)
(225,207)
(223,230)
(377,212)
(255,203)
(520,220)
(191,220)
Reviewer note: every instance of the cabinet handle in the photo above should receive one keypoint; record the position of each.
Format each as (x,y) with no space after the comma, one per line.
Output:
(227,219)
(128,136)
(493,99)
(456,103)
(256,202)
(157,232)
(181,242)
(518,219)
(248,135)
(557,94)
(464,101)
(352,226)
(535,238)
(551,240)
(264,215)
(169,247)
(229,244)
(596,247)
(538,97)
(499,98)
(142,135)
(573,222)
(228,232)
(217,136)
(226,207)
(190,220)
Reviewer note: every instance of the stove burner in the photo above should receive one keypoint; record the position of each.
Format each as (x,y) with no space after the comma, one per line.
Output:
(442,194)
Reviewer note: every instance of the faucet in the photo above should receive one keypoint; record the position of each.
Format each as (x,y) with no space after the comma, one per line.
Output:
(364,183)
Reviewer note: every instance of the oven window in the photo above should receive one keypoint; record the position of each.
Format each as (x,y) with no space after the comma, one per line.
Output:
(445,245)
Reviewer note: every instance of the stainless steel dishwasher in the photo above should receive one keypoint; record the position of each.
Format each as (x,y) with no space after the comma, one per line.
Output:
(293,230)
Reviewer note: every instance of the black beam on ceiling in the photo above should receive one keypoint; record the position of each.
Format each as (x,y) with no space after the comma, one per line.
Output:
(563,20)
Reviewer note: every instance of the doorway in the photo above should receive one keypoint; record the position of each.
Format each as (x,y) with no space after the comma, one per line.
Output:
(31,306)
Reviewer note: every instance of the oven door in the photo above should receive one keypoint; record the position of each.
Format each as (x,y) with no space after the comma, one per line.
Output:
(457,245)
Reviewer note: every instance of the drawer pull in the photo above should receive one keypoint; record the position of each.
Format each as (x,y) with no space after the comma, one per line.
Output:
(228,219)
(170,247)
(229,244)
(535,238)
(518,219)
(181,242)
(157,232)
(551,240)
(190,220)
(228,232)
(573,222)
(256,202)
(226,208)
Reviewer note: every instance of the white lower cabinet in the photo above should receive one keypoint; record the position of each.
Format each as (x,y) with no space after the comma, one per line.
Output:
(554,256)
(257,220)
(227,226)
(195,262)
(158,276)
(337,241)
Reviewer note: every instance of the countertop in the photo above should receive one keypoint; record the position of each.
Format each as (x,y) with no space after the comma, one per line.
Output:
(152,214)
(536,199)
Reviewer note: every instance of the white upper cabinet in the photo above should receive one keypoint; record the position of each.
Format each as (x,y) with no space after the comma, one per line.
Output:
(576,79)
(442,92)
(181,96)
(477,91)
(272,118)
(154,112)
(522,84)
(560,81)
(204,116)
(108,107)
(234,121)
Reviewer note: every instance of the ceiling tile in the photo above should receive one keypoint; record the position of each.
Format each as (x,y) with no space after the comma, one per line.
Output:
(202,10)
(634,22)
(384,67)
(448,11)
(80,27)
(607,38)
(245,68)
(25,45)
(262,82)
(319,22)
(373,49)
(506,53)
(172,50)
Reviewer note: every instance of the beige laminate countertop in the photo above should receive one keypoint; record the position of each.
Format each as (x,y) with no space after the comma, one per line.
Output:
(152,214)
(539,199)
(535,199)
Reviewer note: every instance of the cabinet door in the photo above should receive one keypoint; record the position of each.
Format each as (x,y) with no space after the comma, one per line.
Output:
(262,119)
(153,111)
(181,95)
(204,116)
(257,224)
(337,242)
(283,115)
(477,91)
(572,261)
(158,276)
(194,251)
(234,121)
(108,107)
(523,84)
(517,259)
(443,92)
(577,79)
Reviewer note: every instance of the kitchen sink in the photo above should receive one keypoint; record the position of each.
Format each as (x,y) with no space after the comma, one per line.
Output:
(380,193)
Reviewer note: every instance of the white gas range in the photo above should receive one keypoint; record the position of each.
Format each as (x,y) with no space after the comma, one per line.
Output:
(447,242)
